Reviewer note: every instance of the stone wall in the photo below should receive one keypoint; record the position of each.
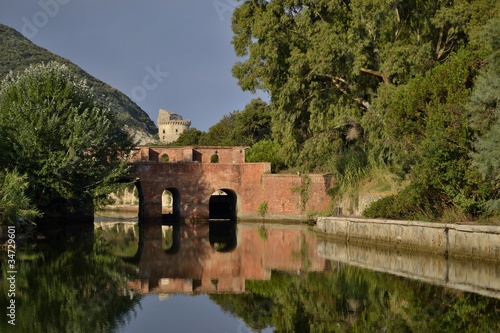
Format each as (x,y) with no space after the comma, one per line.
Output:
(454,240)
(291,195)
(171,126)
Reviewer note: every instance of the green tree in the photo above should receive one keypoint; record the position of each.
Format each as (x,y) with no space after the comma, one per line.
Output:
(323,62)
(485,111)
(223,132)
(239,128)
(253,123)
(190,137)
(422,129)
(265,151)
(242,128)
(354,83)
(71,148)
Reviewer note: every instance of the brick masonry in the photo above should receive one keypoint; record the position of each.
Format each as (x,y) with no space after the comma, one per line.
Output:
(191,175)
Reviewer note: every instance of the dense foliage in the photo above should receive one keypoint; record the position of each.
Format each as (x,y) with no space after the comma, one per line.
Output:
(410,86)
(17,53)
(485,107)
(239,128)
(15,207)
(70,147)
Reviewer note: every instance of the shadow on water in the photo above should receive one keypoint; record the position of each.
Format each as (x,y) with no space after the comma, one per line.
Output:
(222,235)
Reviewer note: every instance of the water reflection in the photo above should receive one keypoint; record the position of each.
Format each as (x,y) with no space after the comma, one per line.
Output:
(226,277)
(218,256)
(68,282)
(467,275)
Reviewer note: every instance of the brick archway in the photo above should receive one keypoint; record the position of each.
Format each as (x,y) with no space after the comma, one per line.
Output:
(223,205)
(171,210)
(248,185)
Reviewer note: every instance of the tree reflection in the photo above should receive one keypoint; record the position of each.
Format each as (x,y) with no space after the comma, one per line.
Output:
(74,286)
(350,299)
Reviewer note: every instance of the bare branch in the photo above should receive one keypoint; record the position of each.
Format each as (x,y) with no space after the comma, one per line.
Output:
(338,82)
(376,73)
(398,19)
(446,45)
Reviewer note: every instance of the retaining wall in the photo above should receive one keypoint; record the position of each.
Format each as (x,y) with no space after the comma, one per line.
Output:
(454,240)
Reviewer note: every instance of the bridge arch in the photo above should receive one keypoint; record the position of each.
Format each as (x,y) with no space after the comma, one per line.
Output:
(141,209)
(223,205)
(170,204)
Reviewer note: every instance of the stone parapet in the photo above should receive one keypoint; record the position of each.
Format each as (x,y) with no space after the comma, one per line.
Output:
(454,240)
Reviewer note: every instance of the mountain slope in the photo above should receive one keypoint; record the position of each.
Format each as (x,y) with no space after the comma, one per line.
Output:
(17,53)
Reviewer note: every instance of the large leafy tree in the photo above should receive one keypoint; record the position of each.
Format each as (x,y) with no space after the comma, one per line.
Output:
(322,62)
(354,83)
(70,147)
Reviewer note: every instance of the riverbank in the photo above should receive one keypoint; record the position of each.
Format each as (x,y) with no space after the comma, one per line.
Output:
(452,240)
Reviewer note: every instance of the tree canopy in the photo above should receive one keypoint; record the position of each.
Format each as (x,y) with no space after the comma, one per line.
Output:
(54,130)
(354,84)
(239,128)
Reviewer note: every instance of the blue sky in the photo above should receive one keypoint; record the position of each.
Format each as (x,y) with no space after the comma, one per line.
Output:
(169,54)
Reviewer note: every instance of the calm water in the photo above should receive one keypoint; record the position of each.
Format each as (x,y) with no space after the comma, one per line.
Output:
(221,277)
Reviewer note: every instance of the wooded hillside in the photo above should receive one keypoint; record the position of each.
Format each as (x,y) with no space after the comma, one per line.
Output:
(18,53)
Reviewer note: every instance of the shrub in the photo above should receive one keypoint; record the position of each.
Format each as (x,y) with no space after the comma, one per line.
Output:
(412,203)
(15,206)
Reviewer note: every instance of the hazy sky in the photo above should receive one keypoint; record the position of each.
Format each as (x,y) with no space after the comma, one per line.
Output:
(169,54)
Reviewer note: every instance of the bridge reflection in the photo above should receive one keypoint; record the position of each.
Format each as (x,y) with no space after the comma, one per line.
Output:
(217,257)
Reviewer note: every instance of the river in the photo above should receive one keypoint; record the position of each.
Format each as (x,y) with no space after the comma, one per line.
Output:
(121,276)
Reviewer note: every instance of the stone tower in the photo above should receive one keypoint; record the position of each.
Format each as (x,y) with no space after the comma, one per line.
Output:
(171,126)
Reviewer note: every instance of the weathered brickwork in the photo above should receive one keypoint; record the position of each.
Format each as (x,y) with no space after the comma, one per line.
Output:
(203,154)
(190,174)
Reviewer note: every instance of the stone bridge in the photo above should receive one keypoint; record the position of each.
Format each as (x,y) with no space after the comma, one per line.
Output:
(216,183)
